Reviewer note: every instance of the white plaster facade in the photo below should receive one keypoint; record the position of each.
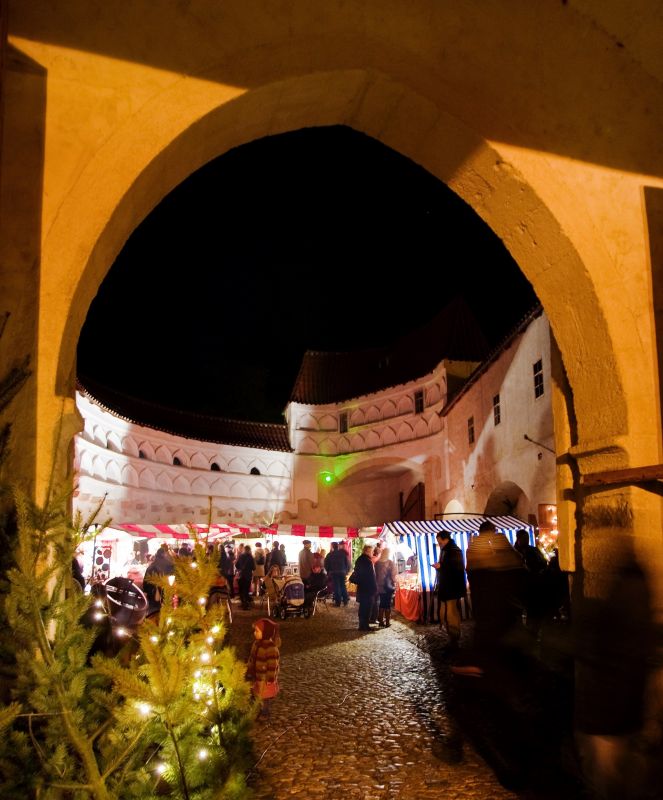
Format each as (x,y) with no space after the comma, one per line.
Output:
(375,448)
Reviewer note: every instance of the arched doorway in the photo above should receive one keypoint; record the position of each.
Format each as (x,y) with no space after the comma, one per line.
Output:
(561,190)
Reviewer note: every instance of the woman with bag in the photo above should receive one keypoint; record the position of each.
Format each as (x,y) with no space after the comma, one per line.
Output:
(385,577)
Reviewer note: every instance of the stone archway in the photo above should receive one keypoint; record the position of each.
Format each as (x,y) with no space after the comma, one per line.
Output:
(507,499)
(558,177)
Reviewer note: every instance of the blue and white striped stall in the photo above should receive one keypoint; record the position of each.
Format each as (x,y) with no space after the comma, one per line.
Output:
(420,538)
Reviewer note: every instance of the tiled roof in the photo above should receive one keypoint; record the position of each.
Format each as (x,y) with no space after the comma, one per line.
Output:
(492,357)
(453,334)
(206,428)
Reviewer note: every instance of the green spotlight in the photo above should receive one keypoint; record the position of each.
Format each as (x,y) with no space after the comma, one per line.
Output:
(327,477)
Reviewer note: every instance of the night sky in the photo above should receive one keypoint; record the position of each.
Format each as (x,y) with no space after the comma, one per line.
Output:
(320,239)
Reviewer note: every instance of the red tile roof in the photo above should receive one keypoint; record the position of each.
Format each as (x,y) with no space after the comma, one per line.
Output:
(206,428)
(453,334)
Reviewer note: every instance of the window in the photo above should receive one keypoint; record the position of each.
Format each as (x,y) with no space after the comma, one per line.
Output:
(497,411)
(419,401)
(141,454)
(177,462)
(343,422)
(255,471)
(538,378)
(470,430)
(215,467)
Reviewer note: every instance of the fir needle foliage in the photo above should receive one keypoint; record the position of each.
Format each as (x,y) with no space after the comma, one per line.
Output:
(170,715)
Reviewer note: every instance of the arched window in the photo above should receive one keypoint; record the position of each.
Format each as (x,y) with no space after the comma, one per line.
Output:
(255,471)
(215,467)
(177,462)
(141,454)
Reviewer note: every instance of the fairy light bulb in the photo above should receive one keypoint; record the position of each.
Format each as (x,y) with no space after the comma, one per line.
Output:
(203,753)
(98,616)
(205,657)
(202,601)
(216,629)
(171,580)
(145,709)
(160,769)
(154,639)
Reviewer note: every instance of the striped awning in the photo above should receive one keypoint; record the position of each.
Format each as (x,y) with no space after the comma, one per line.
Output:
(221,531)
(420,538)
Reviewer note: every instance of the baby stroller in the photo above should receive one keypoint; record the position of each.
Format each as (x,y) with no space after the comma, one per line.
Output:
(289,598)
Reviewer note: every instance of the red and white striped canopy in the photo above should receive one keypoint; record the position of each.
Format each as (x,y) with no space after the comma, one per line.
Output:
(222,531)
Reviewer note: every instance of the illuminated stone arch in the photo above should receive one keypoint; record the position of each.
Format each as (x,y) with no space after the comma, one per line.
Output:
(181,485)
(147,450)
(372,440)
(114,442)
(163,455)
(454,507)
(421,428)
(85,465)
(199,461)
(433,394)
(130,476)
(146,479)
(405,432)
(328,423)
(113,474)
(129,446)
(389,409)
(373,414)
(328,447)
(308,446)
(200,485)
(99,436)
(405,405)
(356,417)
(164,483)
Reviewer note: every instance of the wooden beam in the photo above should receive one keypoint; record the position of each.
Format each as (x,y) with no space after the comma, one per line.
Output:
(632,475)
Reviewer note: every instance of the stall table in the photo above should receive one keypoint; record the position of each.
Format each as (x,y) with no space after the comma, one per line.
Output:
(407,600)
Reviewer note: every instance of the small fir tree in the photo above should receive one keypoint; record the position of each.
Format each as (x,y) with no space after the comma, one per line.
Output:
(172,719)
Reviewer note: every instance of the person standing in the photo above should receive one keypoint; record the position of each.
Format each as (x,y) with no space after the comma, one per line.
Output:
(364,578)
(245,566)
(337,565)
(227,566)
(259,570)
(161,565)
(385,578)
(450,585)
(275,557)
(496,576)
(305,560)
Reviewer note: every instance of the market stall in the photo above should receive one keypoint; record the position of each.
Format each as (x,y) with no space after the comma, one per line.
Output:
(416,550)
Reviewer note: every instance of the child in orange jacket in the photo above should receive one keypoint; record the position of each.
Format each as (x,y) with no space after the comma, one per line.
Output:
(263,664)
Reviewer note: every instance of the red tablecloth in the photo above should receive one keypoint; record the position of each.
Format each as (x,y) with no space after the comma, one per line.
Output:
(406,602)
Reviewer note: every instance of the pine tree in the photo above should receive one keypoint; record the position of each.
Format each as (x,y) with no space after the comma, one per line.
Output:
(173,719)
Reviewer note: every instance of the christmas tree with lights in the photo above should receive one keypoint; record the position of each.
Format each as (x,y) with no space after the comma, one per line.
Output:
(169,715)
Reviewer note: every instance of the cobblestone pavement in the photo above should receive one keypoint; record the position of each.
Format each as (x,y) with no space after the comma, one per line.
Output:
(360,715)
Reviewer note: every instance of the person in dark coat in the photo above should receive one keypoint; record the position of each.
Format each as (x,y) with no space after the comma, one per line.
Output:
(245,565)
(77,573)
(450,585)
(496,575)
(337,564)
(227,566)
(367,587)
(536,585)
(276,557)
(162,565)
